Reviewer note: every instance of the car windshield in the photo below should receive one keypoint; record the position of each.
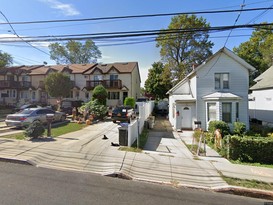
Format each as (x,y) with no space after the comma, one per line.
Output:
(26,111)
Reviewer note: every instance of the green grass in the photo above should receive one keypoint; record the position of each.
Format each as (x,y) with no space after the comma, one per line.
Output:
(63,129)
(55,131)
(249,183)
(142,141)
(193,149)
(252,164)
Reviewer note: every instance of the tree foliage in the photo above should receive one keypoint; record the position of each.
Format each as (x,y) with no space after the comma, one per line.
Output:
(130,101)
(58,85)
(5,59)
(180,50)
(100,93)
(258,50)
(158,81)
(74,52)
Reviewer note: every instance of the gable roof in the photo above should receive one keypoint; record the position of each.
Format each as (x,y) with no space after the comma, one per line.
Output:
(264,81)
(222,50)
(119,67)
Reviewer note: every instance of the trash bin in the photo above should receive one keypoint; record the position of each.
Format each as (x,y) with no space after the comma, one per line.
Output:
(123,136)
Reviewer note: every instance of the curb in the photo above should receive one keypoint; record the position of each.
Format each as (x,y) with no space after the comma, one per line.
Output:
(242,191)
(236,190)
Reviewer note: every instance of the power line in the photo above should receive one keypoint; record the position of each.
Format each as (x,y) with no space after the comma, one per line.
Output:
(130,34)
(135,16)
(20,36)
(236,20)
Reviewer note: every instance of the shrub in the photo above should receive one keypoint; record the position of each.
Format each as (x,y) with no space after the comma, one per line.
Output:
(239,128)
(100,93)
(130,101)
(250,149)
(224,128)
(96,109)
(35,130)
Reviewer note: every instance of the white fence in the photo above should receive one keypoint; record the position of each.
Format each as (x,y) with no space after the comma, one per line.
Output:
(135,128)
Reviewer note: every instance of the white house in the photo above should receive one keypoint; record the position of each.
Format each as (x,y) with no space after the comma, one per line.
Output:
(261,98)
(215,90)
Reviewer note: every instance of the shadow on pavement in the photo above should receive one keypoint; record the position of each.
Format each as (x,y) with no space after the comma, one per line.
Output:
(161,130)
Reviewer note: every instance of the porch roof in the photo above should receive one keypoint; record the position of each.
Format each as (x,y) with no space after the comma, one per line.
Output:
(221,96)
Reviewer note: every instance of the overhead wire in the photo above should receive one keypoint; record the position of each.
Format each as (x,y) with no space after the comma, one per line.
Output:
(134,16)
(15,33)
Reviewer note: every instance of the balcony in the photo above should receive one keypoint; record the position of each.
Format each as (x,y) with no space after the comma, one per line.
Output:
(8,84)
(108,84)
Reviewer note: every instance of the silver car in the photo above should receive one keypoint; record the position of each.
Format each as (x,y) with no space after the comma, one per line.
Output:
(28,116)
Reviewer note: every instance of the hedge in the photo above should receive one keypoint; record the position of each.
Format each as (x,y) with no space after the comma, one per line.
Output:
(249,149)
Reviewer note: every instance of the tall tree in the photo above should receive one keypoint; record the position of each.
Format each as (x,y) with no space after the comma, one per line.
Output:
(186,45)
(5,59)
(53,82)
(158,81)
(258,50)
(74,52)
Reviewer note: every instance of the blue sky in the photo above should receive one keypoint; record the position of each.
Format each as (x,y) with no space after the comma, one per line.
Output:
(144,53)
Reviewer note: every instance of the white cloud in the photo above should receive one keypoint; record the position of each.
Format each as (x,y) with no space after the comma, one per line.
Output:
(65,9)
(15,39)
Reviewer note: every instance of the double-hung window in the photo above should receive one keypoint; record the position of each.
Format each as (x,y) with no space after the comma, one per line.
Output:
(221,80)
(226,112)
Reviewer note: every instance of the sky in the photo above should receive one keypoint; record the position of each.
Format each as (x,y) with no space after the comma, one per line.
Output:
(144,53)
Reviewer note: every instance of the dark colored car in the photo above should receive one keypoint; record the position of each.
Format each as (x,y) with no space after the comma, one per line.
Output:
(123,113)
(68,105)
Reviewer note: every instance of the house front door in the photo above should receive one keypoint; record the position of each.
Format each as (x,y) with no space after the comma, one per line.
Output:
(186,118)
(125,95)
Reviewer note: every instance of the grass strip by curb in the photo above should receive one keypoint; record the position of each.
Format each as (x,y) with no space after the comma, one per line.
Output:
(142,141)
(254,184)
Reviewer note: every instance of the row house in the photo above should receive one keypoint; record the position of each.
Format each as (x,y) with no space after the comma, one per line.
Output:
(25,84)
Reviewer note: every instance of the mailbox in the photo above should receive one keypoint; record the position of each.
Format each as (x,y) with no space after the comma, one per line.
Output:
(49,117)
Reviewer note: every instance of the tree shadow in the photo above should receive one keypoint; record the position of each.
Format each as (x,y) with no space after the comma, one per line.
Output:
(42,139)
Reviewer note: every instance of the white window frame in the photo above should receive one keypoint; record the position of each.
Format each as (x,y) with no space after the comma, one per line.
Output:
(220,81)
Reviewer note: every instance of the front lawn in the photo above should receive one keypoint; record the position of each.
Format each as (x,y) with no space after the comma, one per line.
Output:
(55,131)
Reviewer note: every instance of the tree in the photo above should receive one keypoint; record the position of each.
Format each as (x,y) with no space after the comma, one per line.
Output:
(100,93)
(130,101)
(186,46)
(256,51)
(74,52)
(158,81)
(58,85)
(5,59)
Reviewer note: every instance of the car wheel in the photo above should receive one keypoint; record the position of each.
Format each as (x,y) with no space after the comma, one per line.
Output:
(114,121)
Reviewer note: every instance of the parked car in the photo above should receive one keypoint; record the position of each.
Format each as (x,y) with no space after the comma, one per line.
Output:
(68,105)
(162,107)
(19,109)
(123,113)
(29,115)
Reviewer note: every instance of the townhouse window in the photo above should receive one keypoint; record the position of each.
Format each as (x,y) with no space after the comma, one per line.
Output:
(113,95)
(221,80)
(113,77)
(97,77)
(33,95)
(211,110)
(10,77)
(87,95)
(14,93)
(226,112)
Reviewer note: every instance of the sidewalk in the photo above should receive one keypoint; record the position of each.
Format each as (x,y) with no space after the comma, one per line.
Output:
(165,159)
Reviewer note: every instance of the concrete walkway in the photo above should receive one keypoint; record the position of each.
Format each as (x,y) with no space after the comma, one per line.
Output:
(165,158)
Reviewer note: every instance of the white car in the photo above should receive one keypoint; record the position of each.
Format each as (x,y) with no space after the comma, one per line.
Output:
(30,115)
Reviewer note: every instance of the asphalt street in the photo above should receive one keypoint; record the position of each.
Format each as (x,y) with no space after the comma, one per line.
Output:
(24,184)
